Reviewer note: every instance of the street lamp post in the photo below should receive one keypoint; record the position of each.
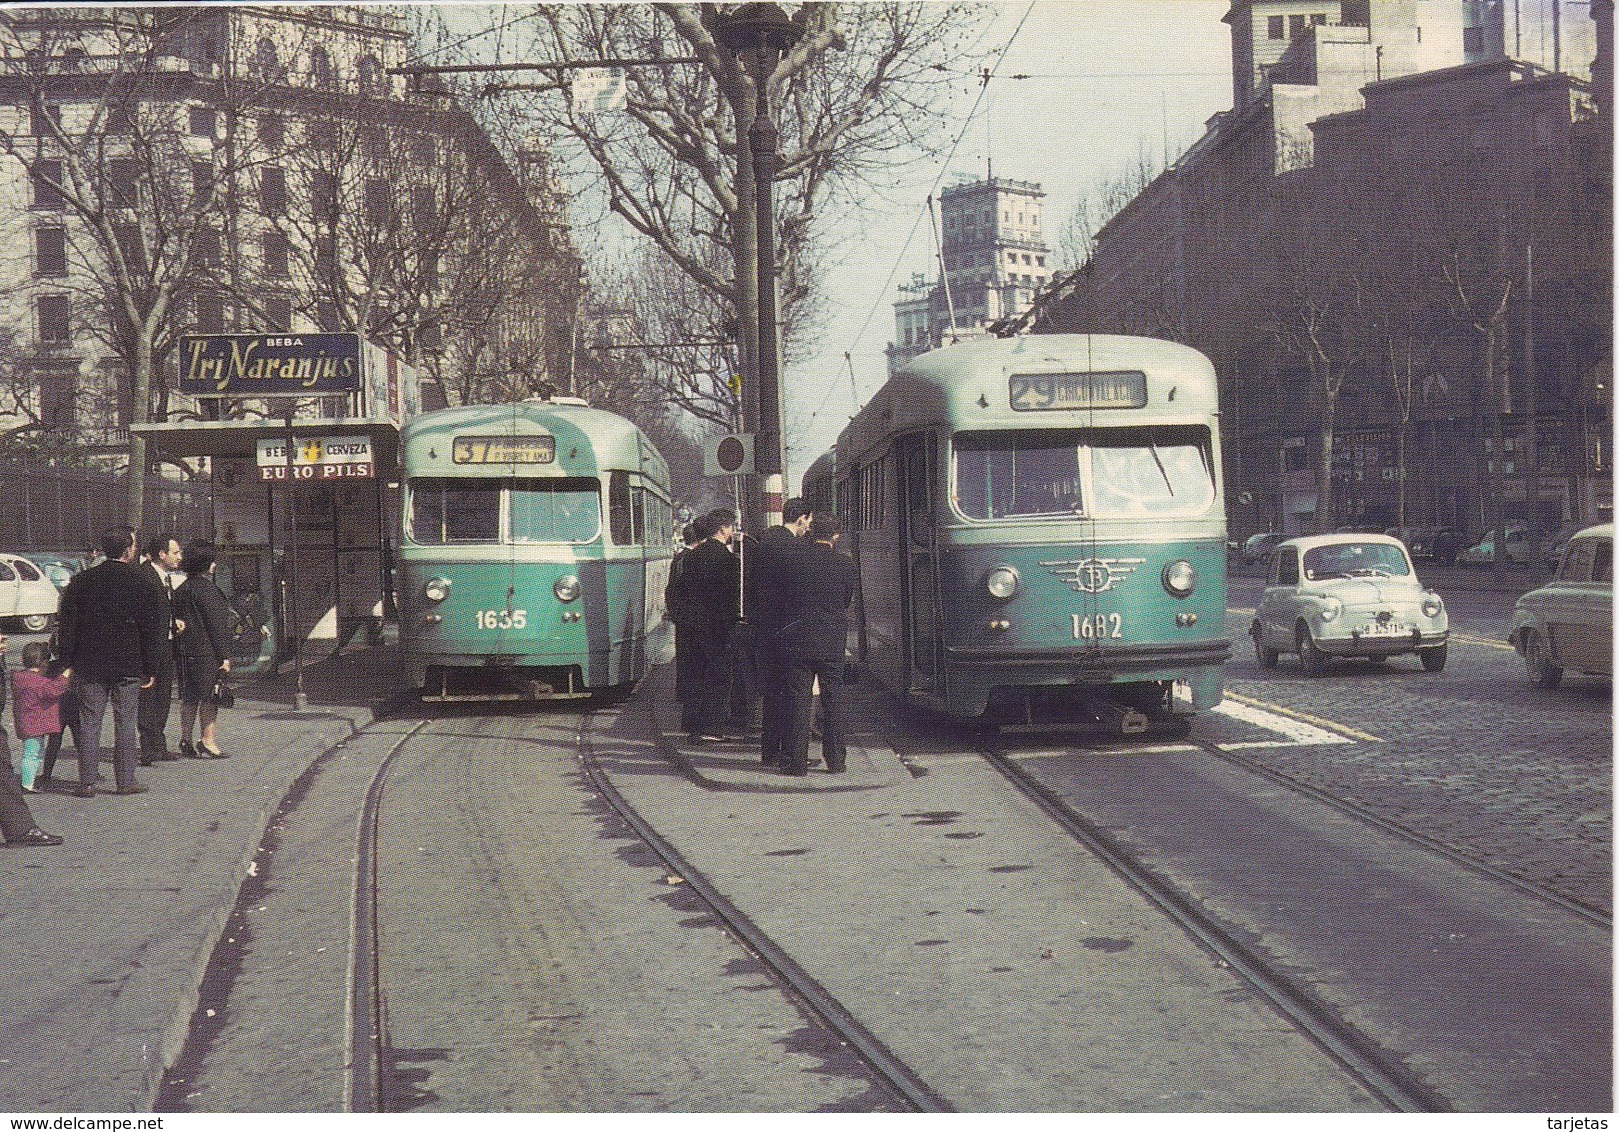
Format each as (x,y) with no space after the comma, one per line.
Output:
(759,33)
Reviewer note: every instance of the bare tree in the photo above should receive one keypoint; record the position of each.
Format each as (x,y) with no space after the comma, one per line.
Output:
(1100,202)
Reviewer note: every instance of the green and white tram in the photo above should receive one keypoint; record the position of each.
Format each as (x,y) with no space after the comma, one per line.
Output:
(536,545)
(1040,528)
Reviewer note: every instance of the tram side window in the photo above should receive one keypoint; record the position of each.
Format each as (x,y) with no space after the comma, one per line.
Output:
(638,516)
(619,519)
(453,510)
(868,500)
(564,510)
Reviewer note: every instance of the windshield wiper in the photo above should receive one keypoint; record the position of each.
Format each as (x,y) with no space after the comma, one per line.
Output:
(1163,471)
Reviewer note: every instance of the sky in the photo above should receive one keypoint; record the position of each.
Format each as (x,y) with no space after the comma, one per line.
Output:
(1105,79)
(1080,88)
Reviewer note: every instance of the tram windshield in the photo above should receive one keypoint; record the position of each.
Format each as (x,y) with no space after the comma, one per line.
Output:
(1094,473)
(445,511)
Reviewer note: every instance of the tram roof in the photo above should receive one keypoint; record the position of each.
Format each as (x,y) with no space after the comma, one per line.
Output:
(615,441)
(966,385)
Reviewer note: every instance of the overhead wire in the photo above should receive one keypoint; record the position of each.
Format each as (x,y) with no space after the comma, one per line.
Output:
(987,74)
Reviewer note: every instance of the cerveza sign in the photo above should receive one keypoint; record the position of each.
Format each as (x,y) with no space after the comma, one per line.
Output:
(258,365)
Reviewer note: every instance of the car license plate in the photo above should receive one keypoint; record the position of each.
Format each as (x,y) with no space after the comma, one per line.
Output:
(1386,629)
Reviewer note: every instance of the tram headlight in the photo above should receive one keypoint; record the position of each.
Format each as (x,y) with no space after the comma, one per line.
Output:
(1179,578)
(436,589)
(1001,582)
(566,588)
(1432,606)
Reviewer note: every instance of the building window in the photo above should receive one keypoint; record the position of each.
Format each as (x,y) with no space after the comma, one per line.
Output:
(55,314)
(374,143)
(278,313)
(210,314)
(272,131)
(370,75)
(323,135)
(207,249)
(1295,26)
(273,190)
(57,393)
(422,208)
(265,61)
(122,192)
(326,319)
(323,196)
(275,248)
(320,69)
(378,203)
(202,181)
(50,252)
(47,180)
(44,119)
(201,122)
(1275,28)
(1473,41)
(128,238)
(325,257)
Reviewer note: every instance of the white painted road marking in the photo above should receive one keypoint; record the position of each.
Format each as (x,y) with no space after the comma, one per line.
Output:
(1297,730)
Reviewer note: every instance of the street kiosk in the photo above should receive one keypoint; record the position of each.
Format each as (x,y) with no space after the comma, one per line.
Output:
(303,502)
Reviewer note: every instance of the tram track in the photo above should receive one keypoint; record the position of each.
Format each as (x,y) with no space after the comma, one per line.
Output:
(368,1029)
(1360,1056)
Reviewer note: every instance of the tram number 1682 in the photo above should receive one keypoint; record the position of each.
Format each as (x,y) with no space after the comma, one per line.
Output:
(1097,627)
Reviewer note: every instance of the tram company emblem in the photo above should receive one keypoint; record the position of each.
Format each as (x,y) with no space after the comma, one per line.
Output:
(1094,575)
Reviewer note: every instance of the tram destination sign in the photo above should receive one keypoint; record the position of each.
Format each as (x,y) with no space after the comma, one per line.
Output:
(503,450)
(316,458)
(259,365)
(1038,392)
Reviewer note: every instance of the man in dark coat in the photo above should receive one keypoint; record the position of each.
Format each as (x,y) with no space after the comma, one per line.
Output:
(112,625)
(162,559)
(677,604)
(764,601)
(820,590)
(712,581)
(17,825)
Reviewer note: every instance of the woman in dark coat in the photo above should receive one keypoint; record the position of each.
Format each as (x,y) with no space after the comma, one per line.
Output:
(204,648)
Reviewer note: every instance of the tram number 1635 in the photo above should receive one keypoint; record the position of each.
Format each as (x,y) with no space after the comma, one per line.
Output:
(1097,627)
(502,618)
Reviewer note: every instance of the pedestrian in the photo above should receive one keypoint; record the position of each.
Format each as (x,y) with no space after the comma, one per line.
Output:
(764,603)
(744,666)
(677,604)
(36,700)
(820,589)
(17,825)
(712,581)
(204,647)
(111,630)
(162,559)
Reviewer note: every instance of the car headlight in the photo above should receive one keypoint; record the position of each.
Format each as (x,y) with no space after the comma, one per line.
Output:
(566,588)
(1432,606)
(436,589)
(1330,608)
(1179,578)
(1001,582)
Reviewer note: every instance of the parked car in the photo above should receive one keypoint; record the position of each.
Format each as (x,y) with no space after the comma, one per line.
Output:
(1482,553)
(58,566)
(1429,544)
(27,596)
(1348,595)
(1258,547)
(1551,550)
(1568,623)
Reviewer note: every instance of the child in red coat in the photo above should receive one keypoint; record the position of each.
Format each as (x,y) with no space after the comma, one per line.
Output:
(36,706)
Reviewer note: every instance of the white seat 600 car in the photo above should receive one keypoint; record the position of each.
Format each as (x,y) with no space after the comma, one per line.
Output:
(1347,595)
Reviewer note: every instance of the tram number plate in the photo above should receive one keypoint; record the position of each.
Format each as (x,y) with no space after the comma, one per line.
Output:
(502,618)
(1098,627)
(1386,629)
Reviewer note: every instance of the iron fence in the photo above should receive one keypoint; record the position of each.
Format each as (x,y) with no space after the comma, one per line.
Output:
(45,508)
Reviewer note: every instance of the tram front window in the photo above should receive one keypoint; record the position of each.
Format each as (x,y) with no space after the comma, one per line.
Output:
(1096,473)
(454,510)
(566,510)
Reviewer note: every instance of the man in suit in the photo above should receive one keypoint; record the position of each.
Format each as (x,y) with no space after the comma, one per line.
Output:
(162,559)
(764,601)
(111,630)
(712,579)
(677,604)
(820,590)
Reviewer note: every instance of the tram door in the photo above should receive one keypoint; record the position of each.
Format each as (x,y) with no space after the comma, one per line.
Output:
(915,459)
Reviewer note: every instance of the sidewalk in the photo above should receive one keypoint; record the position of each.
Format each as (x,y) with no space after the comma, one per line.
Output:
(108,935)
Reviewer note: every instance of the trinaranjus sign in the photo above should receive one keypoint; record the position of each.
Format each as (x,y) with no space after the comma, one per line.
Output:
(316,458)
(268,365)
